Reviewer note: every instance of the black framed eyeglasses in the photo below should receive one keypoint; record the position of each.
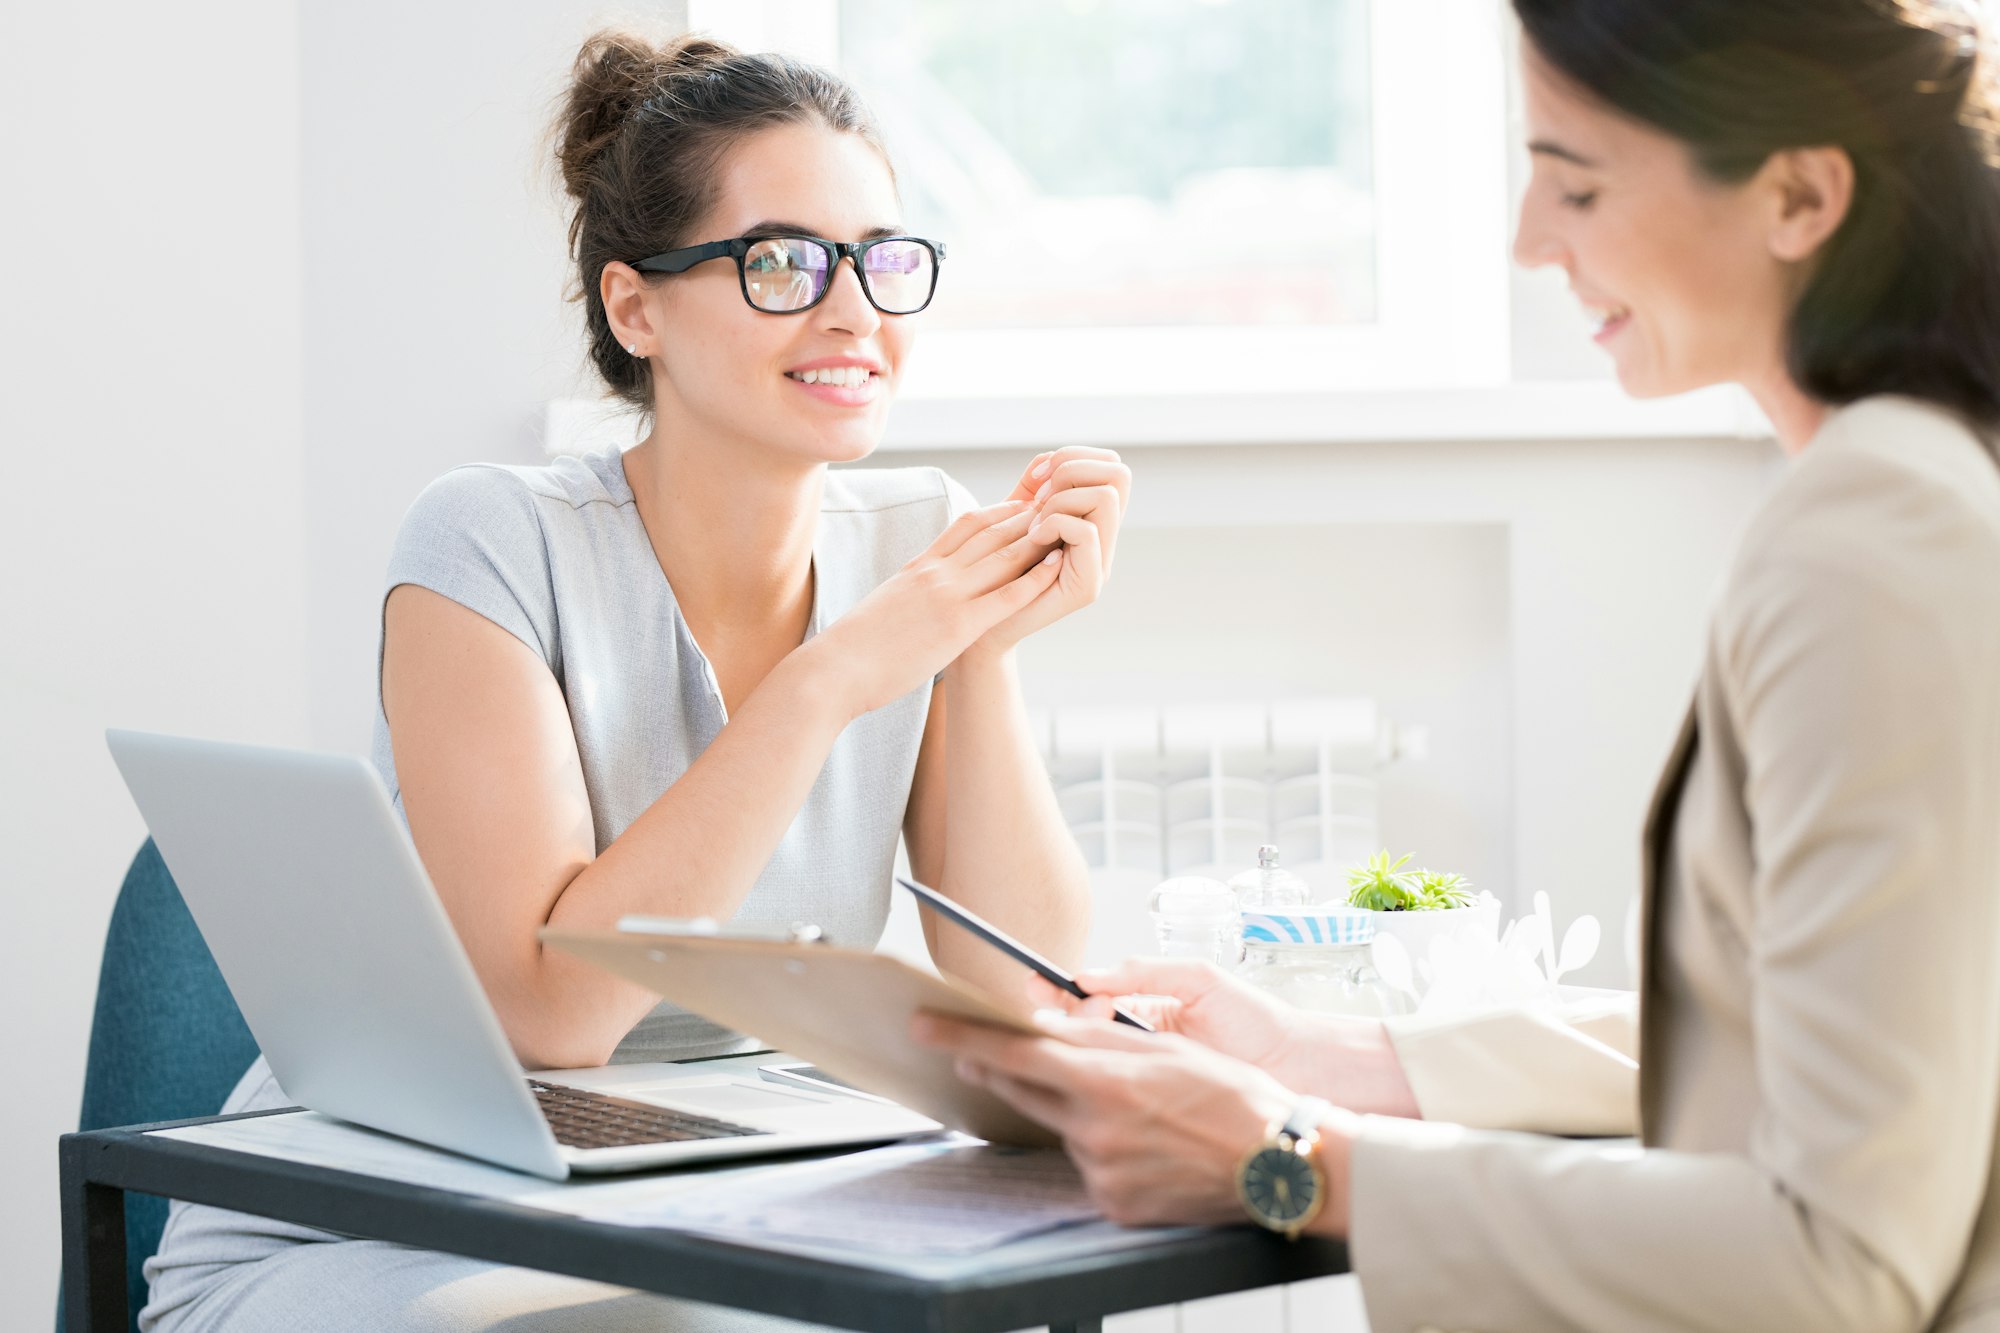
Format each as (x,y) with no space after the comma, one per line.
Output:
(783,275)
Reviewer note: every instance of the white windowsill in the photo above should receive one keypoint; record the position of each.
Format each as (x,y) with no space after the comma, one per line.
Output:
(1551,411)
(1573,411)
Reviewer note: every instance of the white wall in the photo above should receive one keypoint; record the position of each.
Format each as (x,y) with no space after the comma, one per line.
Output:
(269,269)
(435,328)
(150,356)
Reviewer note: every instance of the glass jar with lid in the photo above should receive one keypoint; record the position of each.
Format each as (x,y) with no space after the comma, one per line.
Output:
(1195,917)
(1318,959)
(1268,885)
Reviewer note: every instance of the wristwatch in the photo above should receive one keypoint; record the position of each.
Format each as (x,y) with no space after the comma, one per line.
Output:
(1280,1180)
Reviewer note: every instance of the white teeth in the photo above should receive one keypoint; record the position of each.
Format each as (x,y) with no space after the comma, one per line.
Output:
(1605,316)
(848,377)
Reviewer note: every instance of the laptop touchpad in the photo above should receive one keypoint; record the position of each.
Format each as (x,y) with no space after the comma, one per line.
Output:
(736,1098)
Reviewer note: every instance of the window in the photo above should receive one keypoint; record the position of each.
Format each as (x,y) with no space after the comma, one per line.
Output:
(1175,197)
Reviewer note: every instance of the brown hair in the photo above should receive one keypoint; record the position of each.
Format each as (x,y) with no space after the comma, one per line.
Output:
(642,130)
(1906,296)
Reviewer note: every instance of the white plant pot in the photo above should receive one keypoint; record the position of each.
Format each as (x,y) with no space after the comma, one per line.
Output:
(1415,930)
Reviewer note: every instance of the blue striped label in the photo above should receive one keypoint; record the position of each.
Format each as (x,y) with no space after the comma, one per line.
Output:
(1311,925)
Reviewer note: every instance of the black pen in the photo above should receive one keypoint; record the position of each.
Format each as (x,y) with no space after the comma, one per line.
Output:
(1013,948)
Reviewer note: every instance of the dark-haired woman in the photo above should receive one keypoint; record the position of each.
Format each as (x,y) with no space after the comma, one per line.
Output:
(697,679)
(1799,196)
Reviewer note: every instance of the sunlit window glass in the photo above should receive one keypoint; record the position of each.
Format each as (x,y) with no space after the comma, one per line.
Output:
(1127,162)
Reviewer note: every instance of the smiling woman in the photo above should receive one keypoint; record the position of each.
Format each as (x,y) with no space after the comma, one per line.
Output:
(1802,197)
(743,155)
(703,677)
(1866,124)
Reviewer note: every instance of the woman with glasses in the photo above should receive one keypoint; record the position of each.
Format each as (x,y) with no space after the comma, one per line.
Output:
(1801,197)
(708,677)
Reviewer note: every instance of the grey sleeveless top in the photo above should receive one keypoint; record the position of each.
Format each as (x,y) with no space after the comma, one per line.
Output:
(557,557)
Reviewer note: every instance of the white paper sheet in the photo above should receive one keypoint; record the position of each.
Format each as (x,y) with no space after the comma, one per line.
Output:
(953,1197)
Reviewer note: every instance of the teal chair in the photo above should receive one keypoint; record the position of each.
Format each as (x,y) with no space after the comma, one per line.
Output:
(166,1042)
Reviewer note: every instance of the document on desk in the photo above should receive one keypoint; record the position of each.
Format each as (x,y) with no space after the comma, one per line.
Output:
(952,1197)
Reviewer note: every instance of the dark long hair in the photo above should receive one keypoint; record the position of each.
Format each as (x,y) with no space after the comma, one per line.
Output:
(639,138)
(1905,296)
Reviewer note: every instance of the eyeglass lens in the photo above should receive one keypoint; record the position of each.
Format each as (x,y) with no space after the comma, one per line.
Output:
(785,273)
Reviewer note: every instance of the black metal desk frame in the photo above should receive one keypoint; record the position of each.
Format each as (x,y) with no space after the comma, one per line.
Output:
(1070,1295)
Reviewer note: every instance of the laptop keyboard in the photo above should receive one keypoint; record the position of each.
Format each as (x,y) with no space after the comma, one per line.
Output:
(583,1119)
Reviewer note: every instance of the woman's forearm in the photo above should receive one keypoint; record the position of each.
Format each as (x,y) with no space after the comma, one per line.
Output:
(1008,854)
(696,851)
(1351,1062)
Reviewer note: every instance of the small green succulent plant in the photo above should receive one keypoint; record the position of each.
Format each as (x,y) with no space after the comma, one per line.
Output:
(1382,885)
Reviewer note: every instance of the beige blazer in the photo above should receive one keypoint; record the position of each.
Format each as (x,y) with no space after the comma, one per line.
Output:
(1817,1082)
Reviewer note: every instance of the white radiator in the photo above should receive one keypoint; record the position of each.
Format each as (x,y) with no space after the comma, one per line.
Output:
(1151,792)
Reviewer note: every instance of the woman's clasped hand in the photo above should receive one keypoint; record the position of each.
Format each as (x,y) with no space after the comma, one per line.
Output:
(1078,496)
(993,577)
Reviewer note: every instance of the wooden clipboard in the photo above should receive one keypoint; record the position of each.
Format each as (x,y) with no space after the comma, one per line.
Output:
(847,1012)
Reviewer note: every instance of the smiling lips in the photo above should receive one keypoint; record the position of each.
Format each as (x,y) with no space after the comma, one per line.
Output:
(1608,318)
(848,376)
(844,381)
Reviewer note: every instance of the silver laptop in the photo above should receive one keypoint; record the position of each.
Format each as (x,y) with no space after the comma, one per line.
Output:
(311,897)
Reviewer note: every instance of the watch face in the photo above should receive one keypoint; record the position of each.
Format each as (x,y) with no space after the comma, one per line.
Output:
(1280,1187)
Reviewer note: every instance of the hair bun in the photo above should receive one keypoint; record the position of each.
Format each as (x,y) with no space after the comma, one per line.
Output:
(615,72)
(691,53)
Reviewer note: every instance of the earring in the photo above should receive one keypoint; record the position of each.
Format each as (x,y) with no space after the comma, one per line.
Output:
(632,349)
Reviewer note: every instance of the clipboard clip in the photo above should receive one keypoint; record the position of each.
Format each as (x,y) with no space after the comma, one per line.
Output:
(706,927)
